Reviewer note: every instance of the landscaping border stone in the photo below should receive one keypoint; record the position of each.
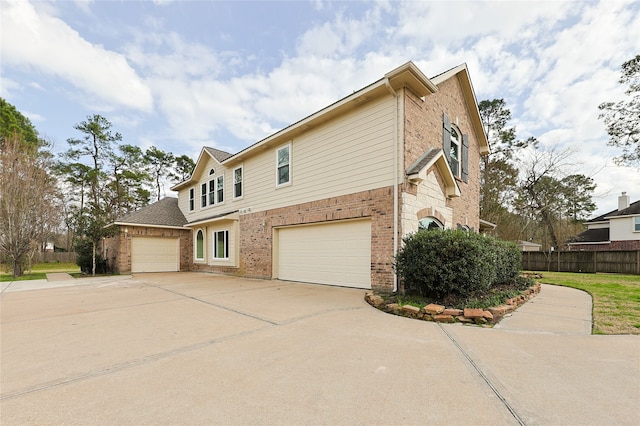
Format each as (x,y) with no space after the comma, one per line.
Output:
(439,313)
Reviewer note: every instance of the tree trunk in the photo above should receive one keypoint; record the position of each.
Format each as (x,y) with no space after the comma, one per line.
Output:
(549,222)
(93,266)
(17,268)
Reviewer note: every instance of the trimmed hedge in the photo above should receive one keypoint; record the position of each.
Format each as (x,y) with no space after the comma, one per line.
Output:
(455,262)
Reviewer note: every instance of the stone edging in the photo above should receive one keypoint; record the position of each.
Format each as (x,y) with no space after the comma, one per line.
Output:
(439,313)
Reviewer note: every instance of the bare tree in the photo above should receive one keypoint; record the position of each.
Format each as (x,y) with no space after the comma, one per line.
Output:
(30,209)
(551,196)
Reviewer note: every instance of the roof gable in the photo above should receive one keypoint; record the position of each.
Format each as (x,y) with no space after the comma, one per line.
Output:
(207,152)
(434,157)
(461,72)
(163,213)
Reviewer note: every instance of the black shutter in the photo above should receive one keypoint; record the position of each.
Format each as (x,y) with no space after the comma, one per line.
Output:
(465,158)
(446,137)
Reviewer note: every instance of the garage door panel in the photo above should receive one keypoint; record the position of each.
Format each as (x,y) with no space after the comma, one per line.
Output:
(338,253)
(155,254)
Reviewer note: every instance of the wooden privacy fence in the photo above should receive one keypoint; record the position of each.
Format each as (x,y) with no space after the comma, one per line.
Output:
(50,257)
(617,262)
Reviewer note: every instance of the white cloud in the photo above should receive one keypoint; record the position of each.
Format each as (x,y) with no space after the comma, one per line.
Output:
(49,45)
(8,87)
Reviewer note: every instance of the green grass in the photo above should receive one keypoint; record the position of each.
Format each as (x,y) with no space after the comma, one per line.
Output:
(616,299)
(39,271)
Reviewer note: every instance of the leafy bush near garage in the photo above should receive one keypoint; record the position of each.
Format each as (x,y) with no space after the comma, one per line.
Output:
(84,259)
(446,263)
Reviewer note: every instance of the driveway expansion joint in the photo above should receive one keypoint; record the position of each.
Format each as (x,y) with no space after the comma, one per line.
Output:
(484,377)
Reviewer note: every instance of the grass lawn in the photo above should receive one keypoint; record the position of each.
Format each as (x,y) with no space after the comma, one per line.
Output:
(39,271)
(616,299)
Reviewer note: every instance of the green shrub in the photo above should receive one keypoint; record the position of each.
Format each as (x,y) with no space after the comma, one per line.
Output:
(84,259)
(454,262)
(508,261)
(440,263)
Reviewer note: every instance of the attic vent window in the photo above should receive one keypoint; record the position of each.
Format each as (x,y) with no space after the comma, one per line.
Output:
(211,172)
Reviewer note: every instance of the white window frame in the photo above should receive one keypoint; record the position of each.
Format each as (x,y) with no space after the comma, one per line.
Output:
(636,224)
(235,196)
(220,189)
(225,234)
(288,182)
(192,199)
(204,245)
(212,191)
(203,195)
(456,151)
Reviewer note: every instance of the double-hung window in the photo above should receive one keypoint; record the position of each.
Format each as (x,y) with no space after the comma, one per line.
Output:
(203,195)
(283,159)
(454,152)
(636,224)
(237,182)
(192,201)
(221,245)
(212,192)
(456,149)
(220,188)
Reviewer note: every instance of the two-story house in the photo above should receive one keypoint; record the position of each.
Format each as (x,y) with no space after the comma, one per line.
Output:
(329,198)
(616,230)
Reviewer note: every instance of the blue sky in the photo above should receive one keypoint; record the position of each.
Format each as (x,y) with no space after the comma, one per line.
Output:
(183,74)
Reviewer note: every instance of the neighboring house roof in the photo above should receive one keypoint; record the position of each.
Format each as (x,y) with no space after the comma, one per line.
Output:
(633,209)
(164,213)
(407,75)
(599,235)
(529,244)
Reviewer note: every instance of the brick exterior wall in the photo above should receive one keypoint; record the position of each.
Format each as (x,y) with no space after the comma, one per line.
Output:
(257,229)
(614,245)
(118,247)
(423,130)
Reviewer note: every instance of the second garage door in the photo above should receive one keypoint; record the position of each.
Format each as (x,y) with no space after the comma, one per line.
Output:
(337,253)
(155,254)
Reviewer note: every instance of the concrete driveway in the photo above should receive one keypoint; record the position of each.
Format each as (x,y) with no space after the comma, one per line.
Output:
(192,348)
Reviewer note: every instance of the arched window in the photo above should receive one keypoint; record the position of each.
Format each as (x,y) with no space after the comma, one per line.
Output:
(200,245)
(430,223)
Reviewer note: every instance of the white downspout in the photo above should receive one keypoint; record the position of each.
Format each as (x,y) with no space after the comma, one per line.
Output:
(395,179)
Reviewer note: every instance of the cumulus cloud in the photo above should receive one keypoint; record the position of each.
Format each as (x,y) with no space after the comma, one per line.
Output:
(37,41)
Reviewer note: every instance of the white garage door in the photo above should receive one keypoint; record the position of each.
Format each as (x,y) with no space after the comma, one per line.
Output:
(337,254)
(155,254)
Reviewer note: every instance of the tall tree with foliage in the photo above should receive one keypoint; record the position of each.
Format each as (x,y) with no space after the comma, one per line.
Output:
(160,166)
(15,126)
(622,118)
(29,201)
(95,147)
(128,180)
(498,170)
(183,168)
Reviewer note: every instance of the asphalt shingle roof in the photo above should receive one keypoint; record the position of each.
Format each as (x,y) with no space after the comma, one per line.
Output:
(217,154)
(423,161)
(634,208)
(592,236)
(162,213)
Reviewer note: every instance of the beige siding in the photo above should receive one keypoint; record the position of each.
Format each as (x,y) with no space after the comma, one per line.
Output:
(349,154)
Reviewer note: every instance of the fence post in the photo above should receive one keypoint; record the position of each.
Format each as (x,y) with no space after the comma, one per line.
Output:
(595,262)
